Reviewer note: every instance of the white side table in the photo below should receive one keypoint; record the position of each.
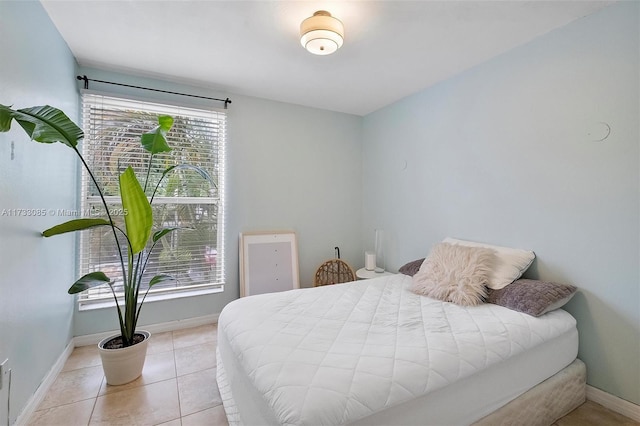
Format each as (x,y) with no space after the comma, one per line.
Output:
(364,274)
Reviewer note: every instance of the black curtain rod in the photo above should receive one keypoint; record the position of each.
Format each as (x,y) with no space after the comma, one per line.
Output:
(87,80)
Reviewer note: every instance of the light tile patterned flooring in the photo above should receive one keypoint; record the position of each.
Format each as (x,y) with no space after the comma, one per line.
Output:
(592,414)
(178,388)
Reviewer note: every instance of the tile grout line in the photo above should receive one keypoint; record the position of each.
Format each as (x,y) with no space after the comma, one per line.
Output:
(93,409)
(175,366)
(95,400)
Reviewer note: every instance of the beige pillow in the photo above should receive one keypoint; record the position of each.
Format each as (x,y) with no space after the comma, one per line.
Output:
(455,273)
(510,264)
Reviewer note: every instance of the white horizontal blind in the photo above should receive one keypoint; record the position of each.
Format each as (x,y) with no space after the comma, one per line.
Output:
(184,199)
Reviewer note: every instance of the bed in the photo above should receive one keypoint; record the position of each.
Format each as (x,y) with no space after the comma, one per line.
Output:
(374,352)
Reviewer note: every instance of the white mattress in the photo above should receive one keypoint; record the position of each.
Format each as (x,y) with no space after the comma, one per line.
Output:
(372,352)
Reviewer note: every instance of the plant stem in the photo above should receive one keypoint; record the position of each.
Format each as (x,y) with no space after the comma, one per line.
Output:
(146,180)
(115,236)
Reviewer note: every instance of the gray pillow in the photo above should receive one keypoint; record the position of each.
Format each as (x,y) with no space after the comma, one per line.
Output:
(532,297)
(411,268)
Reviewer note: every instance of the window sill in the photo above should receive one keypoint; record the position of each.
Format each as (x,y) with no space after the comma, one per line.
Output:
(106,304)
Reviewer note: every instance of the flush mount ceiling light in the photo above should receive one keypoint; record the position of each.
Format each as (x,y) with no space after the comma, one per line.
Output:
(321,34)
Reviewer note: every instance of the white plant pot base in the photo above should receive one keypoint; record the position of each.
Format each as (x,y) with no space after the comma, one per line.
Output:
(123,365)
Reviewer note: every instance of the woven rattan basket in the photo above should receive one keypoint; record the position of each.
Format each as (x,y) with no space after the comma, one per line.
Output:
(334,271)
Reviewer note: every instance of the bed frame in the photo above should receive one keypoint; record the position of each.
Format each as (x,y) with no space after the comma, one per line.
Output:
(539,406)
(545,403)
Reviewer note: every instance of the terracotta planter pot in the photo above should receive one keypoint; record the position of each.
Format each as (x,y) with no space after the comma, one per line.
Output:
(123,365)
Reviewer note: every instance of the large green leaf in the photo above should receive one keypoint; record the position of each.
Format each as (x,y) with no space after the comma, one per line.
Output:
(139,217)
(43,124)
(155,141)
(165,122)
(159,279)
(6,115)
(92,279)
(161,233)
(75,225)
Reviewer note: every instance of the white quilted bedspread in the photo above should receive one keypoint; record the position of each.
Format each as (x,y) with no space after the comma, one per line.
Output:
(336,354)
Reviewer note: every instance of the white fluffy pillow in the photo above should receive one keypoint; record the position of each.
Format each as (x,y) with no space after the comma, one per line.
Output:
(510,263)
(455,273)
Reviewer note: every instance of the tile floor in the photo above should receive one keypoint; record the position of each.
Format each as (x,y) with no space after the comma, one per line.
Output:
(177,388)
(592,414)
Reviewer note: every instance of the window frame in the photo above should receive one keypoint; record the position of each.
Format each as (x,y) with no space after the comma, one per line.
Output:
(217,285)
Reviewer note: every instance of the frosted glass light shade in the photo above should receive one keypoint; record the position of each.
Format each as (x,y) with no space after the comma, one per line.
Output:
(321,34)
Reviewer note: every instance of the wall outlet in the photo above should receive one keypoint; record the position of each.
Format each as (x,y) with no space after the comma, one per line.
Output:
(4,371)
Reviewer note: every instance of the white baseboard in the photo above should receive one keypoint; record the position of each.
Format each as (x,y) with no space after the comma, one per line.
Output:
(35,400)
(91,339)
(614,403)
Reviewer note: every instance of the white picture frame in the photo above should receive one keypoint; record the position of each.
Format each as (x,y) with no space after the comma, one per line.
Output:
(268,262)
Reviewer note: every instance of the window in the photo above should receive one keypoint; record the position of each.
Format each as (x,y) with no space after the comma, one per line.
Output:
(194,256)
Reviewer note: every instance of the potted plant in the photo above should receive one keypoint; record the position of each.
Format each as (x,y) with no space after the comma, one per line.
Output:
(122,355)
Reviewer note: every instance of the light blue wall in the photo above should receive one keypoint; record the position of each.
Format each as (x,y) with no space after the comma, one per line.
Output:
(502,153)
(36,68)
(505,153)
(289,167)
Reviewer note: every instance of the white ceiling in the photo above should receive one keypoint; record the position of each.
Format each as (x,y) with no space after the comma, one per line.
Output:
(392,48)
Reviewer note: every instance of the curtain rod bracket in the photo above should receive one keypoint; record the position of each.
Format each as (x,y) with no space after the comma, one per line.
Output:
(86,80)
